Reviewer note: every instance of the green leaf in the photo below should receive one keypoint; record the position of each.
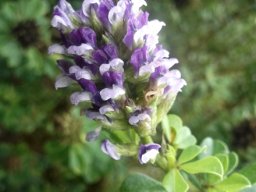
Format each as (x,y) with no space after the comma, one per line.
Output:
(211,165)
(141,183)
(175,121)
(184,138)
(234,183)
(77,159)
(190,153)
(249,171)
(171,122)
(174,182)
(233,162)
(213,147)
(212,179)
(224,159)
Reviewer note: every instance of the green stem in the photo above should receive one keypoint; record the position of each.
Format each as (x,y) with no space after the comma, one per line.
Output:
(146,140)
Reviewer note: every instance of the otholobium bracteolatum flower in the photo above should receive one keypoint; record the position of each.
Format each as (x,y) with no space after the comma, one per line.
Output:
(125,79)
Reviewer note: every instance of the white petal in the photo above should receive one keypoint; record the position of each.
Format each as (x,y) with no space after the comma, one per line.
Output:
(149,155)
(161,54)
(83,74)
(135,119)
(106,108)
(74,69)
(112,93)
(78,97)
(146,69)
(116,14)
(66,7)
(117,64)
(79,50)
(104,68)
(62,81)
(168,63)
(86,6)
(56,49)
(152,28)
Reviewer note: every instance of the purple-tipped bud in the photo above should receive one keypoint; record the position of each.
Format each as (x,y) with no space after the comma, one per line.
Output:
(139,116)
(148,152)
(93,135)
(110,149)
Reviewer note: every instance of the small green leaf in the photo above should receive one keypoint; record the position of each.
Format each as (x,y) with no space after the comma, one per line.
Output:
(213,147)
(212,179)
(174,182)
(233,162)
(184,138)
(141,183)
(211,165)
(169,123)
(234,183)
(224,159)
(249,171)
(175,122)
(189,153)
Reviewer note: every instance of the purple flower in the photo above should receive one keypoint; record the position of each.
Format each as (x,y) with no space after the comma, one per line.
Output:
(62,16)
(148,152)
(125,78)
(110,149)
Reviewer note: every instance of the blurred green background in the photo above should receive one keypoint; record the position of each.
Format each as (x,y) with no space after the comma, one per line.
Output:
(42,145)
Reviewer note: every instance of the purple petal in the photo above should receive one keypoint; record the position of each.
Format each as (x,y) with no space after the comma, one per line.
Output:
(148,152)
(99,56)
(64,65)
(81,62)
(102,14)
(88,85)
(111,51)
(87,35)
(110,149)
(138,58)
(128,39)
(113,78)
(159,71)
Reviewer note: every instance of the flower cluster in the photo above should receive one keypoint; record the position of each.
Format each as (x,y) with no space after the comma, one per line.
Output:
(111,51)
